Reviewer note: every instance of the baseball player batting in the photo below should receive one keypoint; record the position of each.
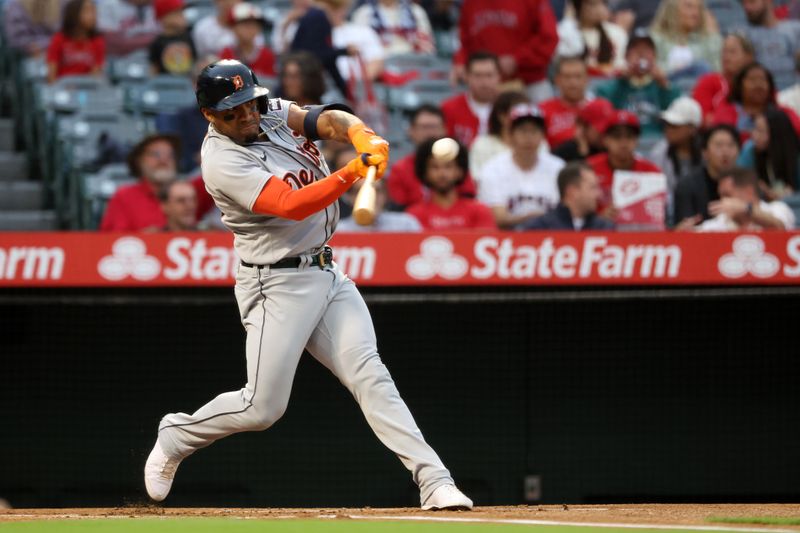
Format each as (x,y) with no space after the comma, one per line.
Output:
(278,197)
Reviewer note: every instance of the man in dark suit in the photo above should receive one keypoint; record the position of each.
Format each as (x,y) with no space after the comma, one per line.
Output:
(577,210)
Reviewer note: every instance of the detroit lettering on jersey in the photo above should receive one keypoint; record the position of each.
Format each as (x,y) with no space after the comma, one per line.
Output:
(235,175)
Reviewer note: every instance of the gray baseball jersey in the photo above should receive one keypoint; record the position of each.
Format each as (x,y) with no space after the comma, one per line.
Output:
(235,175)
(312,308)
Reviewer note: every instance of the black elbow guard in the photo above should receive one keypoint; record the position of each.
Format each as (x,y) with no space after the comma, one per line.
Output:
(314,111)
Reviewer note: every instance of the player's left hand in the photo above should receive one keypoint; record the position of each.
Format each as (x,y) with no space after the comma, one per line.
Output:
(357,168)
(367,141)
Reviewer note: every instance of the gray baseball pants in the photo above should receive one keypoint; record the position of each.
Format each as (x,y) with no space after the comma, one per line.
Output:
(283,312)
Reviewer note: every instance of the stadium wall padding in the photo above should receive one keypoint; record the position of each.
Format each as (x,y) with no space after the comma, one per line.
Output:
(605,399)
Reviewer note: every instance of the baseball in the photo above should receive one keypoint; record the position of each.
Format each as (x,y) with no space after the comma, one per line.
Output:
(445,149)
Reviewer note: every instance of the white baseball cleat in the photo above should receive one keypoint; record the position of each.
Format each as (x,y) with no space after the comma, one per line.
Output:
(159,471)
(447,497)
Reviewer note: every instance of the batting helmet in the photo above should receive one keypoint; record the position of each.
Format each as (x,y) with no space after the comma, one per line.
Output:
(228,83)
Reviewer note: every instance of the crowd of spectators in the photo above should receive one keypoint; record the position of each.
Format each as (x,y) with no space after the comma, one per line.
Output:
(550,100)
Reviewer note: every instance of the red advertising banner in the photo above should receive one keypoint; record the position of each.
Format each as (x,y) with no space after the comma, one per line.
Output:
(74,259)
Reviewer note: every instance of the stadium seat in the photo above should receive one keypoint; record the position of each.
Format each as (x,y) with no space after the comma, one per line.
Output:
(418,92)
(447,42)
(86,141)
(86,131)
(197,10)
(406,62)
(97,189)
(75,93)
(159,94)
(133,67)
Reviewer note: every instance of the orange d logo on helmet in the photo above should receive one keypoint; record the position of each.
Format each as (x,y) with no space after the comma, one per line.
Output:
(238,83)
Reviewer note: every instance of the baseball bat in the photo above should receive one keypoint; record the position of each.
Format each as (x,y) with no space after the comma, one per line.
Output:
(364,206)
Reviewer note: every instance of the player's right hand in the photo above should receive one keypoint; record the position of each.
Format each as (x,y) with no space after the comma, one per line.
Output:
(365,141)
(358,167)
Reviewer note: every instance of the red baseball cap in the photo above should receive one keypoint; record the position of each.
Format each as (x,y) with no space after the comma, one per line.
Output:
(623,118)
(164,7)
(596,113)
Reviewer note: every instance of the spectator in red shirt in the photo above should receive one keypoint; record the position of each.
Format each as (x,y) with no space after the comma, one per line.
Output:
(445,209)
(467,114)
(589,126)
(248,22)
(77,48)
(752,94)
(405,188)
(136,207)
(620,137)
(179,204)
(572,80)
(522,33)
(712,89)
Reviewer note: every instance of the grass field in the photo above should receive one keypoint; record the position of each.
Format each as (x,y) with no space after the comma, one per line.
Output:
(656,518)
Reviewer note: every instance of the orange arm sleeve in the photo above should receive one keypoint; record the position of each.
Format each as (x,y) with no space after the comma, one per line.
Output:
(277,198)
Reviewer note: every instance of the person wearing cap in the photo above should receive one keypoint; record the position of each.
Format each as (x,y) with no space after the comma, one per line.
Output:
(172,52)
(212,33)
(679,154)
(642,89)
(572,80)
(577,210)
(248,23)
(445,209)
(620,136)
(589,126)
(520,184)
(498,138)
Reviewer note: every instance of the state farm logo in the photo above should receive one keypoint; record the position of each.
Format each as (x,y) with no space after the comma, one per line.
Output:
(749,257)
(129,259)
(436,258)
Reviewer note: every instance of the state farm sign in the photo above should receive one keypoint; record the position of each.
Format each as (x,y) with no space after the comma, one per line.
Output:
(591,259)
(535,258)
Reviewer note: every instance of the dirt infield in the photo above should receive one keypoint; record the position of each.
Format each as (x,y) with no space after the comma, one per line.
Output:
(656,514)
